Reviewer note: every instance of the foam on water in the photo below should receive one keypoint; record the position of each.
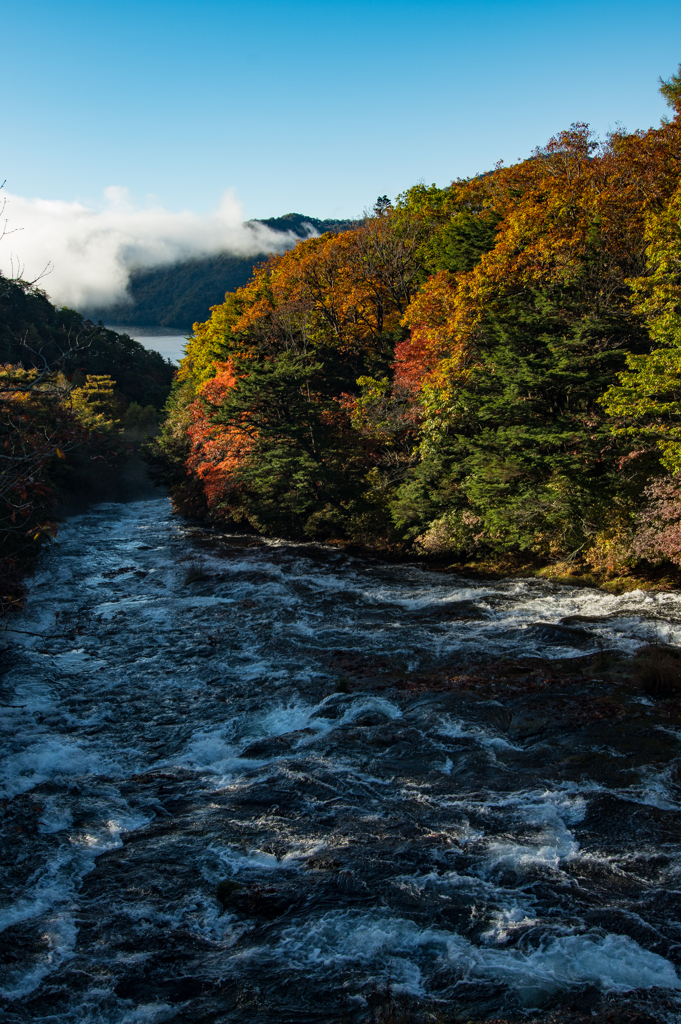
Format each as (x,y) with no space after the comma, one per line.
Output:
(611,963)
(463,730)
(51,889)
(47,757)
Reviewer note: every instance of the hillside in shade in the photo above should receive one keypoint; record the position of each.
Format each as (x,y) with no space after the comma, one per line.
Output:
(182,293)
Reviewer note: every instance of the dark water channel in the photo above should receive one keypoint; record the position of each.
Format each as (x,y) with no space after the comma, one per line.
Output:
(487,852)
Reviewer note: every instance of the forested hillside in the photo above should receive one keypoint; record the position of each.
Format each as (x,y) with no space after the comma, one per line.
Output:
(487,370)
(73,395)
(182,293)
(35,333)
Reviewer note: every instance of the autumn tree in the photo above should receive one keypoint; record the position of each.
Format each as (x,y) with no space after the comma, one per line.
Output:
(490,366)
(279,446)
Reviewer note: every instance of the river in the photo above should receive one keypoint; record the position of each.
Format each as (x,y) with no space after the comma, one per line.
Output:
(260,781)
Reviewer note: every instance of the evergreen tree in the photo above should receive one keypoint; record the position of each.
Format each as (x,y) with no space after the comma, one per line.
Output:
(523,445)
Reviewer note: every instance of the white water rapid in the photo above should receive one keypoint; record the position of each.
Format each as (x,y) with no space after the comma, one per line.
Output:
(228,794)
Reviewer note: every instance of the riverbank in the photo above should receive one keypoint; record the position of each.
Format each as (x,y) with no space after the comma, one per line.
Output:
(517,565)
(624,579)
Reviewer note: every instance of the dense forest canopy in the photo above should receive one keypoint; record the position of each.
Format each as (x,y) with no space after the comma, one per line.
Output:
(486,368)
(181,293)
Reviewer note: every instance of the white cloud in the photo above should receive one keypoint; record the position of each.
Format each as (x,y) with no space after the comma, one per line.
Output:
(92,251)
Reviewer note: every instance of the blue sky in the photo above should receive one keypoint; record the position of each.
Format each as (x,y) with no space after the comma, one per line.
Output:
(313,107)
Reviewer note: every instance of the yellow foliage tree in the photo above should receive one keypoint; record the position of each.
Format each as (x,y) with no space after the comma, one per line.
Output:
(95,404)
(647,402)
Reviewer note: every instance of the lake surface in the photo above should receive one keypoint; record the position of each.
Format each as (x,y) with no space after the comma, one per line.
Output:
(169,341)
(250,781)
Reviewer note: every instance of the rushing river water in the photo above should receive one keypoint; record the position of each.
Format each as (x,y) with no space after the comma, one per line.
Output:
(263,796)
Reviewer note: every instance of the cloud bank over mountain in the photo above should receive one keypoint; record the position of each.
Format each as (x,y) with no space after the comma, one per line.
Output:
(90,252)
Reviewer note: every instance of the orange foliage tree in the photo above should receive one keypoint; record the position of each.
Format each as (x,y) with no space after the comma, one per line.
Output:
(216,450)
(573,215)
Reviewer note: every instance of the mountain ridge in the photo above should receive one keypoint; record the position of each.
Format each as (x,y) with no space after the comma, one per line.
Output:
(179,294)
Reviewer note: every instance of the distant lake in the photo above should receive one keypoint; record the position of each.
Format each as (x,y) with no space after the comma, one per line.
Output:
(169,341)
